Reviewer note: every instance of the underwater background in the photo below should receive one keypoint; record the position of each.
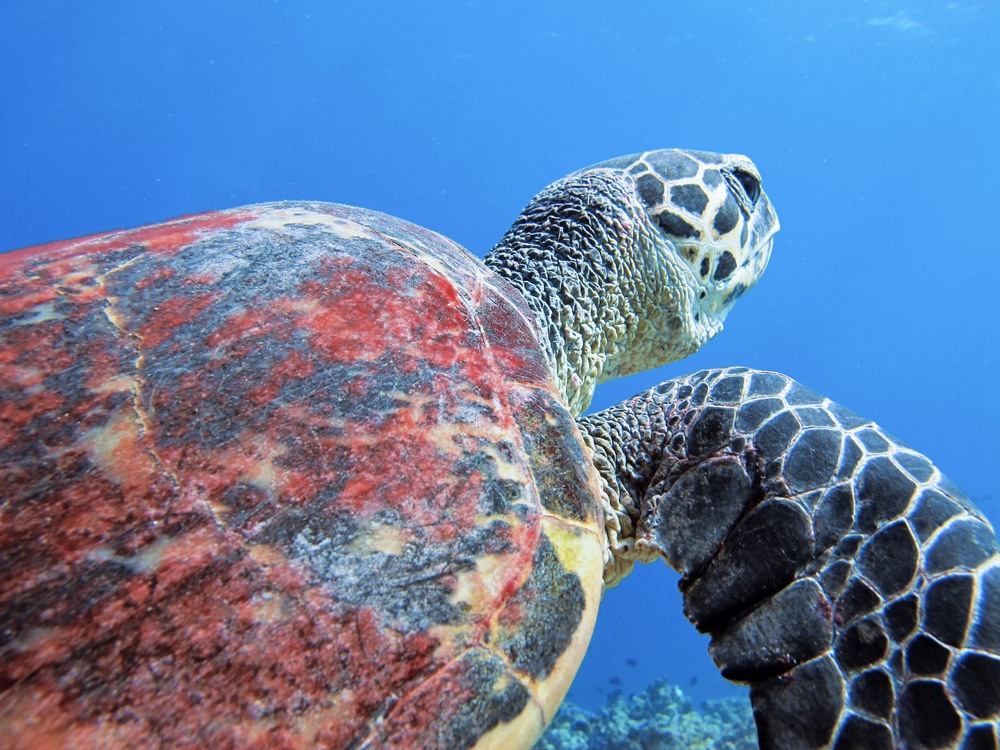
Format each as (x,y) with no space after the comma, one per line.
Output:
(874,124)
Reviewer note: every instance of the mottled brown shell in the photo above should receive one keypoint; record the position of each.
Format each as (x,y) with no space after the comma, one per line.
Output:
(291,475)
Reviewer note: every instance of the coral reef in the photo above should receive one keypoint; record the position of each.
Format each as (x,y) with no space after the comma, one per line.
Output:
(661,717)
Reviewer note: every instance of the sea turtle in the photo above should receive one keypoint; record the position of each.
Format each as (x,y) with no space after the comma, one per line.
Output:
(305,475)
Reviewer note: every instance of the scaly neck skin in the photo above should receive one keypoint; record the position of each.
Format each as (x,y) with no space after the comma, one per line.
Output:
(604,290)
(626,442)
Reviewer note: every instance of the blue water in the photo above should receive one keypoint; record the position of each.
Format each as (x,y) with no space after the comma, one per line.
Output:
(874,124)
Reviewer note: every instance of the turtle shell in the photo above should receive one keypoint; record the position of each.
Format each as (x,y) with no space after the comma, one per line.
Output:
(290,475)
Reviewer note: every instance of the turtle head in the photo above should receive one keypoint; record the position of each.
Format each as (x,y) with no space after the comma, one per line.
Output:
(707,233)
(635,262)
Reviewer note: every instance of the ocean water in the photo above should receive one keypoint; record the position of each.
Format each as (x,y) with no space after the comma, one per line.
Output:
(874,125)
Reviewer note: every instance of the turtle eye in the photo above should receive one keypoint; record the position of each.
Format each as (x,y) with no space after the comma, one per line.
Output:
(749,182)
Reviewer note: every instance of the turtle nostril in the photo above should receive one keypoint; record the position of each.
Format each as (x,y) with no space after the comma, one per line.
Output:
(749,182)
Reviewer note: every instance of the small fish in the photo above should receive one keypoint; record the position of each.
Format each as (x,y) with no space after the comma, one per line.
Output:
(631,662)
(694,680)
(614,681)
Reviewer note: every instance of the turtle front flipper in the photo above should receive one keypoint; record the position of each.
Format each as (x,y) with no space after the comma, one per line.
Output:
(840,574)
